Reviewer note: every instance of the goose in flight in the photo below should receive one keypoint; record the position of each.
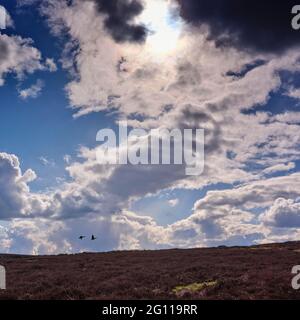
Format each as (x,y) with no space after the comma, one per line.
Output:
(82,237)
(93,237)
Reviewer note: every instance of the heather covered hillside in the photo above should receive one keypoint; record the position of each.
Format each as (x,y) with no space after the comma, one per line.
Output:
(259,272)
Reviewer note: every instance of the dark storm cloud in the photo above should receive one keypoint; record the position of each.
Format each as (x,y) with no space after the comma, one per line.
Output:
(119,19)
(260,25)
(3,50)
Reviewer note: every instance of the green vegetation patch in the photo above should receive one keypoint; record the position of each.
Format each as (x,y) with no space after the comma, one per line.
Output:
(194,287)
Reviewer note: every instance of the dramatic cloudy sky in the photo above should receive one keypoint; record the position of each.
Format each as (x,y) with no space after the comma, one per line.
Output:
(70,68)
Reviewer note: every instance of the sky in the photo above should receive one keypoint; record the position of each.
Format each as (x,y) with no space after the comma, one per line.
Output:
(71,68)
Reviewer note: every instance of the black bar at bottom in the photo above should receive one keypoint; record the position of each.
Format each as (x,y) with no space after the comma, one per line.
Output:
(96,310)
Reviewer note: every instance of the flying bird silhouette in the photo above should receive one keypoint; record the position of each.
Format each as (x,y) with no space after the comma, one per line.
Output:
(121,65)
(93,237)
(82,237)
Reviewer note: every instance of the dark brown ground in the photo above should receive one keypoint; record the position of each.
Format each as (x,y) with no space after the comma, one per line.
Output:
(262,272)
